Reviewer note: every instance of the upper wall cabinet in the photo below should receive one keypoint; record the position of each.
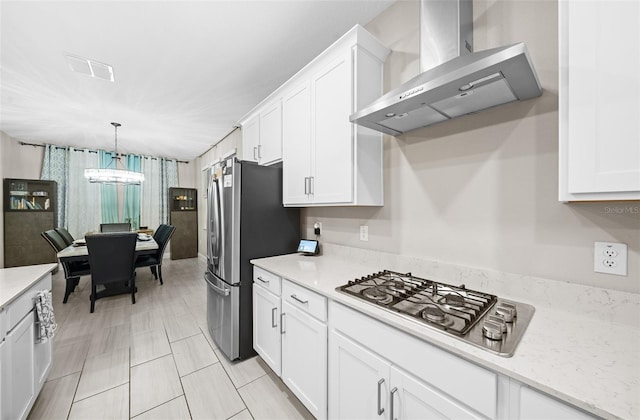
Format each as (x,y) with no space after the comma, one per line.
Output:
(262,134)
(599,100)
(326,160)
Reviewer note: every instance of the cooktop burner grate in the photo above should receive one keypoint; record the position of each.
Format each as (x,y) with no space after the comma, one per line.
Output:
(450,308)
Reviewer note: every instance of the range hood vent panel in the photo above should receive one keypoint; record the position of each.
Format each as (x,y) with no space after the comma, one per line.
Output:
(468,83)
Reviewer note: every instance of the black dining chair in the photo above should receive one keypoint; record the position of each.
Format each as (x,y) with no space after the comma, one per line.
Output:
(66,236)
(162,235)
(72,270)
(112,258)
(115,227)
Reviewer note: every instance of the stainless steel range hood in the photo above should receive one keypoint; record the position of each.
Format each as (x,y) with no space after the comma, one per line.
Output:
(454,81)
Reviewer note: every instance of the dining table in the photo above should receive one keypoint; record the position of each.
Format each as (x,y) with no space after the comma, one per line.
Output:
(78,252)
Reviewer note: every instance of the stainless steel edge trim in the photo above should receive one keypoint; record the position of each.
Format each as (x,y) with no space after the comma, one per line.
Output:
(234,278)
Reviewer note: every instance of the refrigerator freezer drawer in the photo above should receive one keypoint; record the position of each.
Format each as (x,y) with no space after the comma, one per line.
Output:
(222,314)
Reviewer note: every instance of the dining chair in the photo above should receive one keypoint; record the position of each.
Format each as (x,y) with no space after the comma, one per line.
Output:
(115,227)
(72,270)
(66,236)
(112,258)
(162,235)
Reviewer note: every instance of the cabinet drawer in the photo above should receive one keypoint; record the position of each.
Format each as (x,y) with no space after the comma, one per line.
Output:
(21,306)
(305,300)
(267,280)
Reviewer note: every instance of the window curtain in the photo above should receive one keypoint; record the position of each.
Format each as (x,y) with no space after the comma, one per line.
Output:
(108,192)
(54,168)
(159,175)
(78,202)
(131,206)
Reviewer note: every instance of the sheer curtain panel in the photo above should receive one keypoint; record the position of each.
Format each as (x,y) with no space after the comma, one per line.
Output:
(109,192)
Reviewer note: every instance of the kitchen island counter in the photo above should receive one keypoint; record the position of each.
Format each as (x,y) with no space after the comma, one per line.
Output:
(584,353)
(15,281)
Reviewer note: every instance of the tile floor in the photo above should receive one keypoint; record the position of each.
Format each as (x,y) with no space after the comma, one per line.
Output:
(154,359)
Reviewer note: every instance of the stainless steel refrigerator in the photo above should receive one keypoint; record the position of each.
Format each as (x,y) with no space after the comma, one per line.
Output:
(246,220)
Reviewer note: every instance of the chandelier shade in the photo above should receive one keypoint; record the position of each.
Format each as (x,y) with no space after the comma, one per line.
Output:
(114,175)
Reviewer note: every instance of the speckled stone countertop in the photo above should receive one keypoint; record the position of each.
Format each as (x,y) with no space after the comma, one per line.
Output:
(15,281)
(582,345)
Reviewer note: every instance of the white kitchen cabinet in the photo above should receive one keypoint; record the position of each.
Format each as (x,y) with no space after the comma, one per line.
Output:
(364,385)
(526,403)
(266,318)
(296,150)
(304,347)
(262,134)
(422,381)
(26,361)
(251,138)
(599,100)
(326,159)
(270,146)
(358,381)
(19,379)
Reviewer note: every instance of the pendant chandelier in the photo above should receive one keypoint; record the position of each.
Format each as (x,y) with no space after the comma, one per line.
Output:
(114,175)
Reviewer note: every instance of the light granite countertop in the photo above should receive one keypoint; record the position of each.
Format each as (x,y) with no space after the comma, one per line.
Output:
(585,352)
(15,281)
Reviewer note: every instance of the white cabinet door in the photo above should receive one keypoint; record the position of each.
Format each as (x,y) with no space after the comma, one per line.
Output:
(266,327)
(18,390)
(270,145)
(304,359)
(296,145)
(411,398)
(3,372)
(599,100)
(251,139)
(358,381)
(332,133)
(42,358)
(527,404)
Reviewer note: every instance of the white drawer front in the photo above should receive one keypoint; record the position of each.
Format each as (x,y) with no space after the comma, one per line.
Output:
(304,299)
(267,280)
(21,306)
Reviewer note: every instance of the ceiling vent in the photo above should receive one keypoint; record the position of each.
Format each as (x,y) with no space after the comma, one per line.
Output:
(89,67)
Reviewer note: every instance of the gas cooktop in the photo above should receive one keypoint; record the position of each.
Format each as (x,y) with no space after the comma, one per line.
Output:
(478,318)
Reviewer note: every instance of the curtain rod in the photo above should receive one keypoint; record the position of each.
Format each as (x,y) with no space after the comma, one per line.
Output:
(22,143)
(235,127)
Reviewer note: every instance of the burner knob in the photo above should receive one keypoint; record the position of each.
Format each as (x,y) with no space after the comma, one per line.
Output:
(499,321)
(492,330)
(506,312)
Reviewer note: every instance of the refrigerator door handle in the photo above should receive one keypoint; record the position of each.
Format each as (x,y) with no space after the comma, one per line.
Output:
(219,290)
(215,224)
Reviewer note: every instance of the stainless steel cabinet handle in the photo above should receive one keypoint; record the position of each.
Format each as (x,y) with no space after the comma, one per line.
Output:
(263,280)
(254,153)
(282,331)
(393,391)
(306,185)
(380,409)
(274,323)
(294,297)
(259,151)
(311,179)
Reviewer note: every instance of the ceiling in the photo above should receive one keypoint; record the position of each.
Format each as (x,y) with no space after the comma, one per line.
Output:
(185,71)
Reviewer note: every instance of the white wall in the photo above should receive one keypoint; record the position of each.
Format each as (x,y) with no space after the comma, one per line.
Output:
(481,190)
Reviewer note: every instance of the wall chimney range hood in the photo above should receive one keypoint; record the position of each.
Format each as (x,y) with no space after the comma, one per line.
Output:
(454,81)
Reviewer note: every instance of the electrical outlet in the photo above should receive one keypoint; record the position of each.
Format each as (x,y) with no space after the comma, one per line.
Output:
(317,228)
(610,258)
(364,233)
